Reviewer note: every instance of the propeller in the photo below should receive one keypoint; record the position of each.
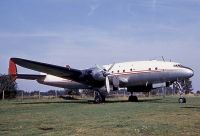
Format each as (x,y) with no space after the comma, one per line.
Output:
(106,73)
(107,84)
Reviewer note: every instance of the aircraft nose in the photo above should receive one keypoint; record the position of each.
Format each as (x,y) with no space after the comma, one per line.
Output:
(189,72)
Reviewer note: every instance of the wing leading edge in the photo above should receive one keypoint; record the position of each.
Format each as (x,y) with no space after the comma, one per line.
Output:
(63,72)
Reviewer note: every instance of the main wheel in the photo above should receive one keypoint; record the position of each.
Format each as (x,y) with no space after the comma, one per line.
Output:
(132,99)
(98,99)
(182,100)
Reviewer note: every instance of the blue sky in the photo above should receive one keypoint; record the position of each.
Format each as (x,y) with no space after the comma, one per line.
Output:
(83,33)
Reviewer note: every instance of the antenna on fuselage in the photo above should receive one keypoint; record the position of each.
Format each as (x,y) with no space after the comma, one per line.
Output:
(163,58)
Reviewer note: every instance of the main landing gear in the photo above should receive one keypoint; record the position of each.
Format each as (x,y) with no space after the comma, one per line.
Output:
(132,98)
(181,99)
(99,97)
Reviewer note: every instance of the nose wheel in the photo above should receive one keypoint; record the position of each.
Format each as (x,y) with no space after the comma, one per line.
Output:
(182,100)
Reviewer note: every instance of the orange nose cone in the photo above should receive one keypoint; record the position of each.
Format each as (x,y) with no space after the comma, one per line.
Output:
(12,70)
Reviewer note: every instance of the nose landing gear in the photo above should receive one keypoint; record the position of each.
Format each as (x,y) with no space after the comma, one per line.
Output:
(181,99)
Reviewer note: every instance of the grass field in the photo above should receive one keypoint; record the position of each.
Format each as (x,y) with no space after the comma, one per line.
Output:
(149,117)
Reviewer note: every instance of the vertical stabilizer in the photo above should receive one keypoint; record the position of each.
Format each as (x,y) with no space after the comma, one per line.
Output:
(12,70)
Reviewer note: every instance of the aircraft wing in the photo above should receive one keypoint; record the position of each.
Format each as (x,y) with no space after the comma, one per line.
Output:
(63,72)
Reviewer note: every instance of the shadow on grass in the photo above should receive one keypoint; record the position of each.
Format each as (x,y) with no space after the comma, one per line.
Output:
(85,101)
(46,128)
(53,102)
(160,101)
(139,101)
(191,107)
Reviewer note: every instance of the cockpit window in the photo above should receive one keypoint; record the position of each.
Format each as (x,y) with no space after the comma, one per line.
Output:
(179,66)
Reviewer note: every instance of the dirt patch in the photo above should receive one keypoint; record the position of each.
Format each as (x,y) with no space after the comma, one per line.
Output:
(4,130)
(46,128)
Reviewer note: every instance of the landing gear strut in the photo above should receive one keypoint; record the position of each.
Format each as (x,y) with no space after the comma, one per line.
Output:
(132,98)
(181,99)
(98,97)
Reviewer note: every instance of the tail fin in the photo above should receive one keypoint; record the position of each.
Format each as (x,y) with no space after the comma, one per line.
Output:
(12,70)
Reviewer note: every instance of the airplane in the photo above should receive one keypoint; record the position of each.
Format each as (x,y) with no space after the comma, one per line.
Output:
(136,76)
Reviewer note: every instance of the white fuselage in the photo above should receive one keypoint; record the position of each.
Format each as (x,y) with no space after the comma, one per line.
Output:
(131,74)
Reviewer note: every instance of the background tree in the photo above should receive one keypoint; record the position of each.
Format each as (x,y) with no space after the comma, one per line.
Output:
(8,85)
(72,91)
(187,85)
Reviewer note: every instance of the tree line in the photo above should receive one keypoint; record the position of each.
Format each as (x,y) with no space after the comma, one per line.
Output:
(8,87)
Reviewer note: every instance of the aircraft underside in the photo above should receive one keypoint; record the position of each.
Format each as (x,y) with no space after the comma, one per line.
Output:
(142,86)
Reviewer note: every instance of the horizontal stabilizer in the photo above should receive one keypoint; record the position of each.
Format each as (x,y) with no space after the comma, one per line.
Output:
(30,77)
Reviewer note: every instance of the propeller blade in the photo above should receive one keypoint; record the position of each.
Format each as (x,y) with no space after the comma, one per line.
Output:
(111,67)
(99,67)
(107,84)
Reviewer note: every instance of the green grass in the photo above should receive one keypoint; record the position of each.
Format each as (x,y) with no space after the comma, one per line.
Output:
(149,117)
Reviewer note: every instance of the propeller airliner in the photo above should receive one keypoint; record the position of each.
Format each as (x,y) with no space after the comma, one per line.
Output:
(136,76)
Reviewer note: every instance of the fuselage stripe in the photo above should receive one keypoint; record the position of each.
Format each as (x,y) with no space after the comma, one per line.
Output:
(140,72)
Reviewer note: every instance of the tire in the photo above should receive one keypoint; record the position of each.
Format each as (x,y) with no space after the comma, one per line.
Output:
(133,99)
(97,99)
(182,100)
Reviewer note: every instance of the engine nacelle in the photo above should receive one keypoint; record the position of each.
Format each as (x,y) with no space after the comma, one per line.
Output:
(98,74)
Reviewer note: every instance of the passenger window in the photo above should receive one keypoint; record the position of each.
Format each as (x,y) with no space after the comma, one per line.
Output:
(131,69)
(156,68)
(149,69)
(118,71)
(124,71)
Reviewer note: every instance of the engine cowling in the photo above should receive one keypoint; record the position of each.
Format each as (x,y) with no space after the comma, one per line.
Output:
(101,74)
(98,74)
